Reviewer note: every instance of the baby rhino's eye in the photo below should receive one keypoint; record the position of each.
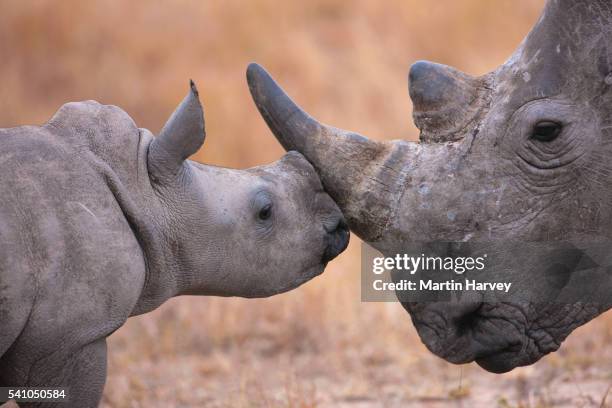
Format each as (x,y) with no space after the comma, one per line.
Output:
(265,212)
(546,131)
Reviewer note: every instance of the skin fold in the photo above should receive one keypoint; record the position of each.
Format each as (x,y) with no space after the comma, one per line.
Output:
(520,154)
(100,221)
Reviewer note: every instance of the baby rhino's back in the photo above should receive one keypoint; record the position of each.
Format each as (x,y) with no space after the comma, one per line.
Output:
(70,266)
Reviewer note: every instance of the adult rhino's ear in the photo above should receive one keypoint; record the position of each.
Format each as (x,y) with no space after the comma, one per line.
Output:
(182,135)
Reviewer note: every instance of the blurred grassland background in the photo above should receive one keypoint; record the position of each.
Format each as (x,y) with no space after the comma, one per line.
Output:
(346,63)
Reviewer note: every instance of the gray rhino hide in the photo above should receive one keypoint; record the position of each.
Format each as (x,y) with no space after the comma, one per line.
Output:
(100,221)
(520,154)
(66,186)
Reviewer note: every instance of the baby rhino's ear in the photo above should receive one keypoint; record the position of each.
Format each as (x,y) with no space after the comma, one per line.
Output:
(182,135)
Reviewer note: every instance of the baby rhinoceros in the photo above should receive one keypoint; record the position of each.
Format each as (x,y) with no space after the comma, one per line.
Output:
(100,221)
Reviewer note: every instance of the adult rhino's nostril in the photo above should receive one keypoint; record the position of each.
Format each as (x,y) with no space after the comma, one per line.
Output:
(466,322)
(338,236)
(448,328)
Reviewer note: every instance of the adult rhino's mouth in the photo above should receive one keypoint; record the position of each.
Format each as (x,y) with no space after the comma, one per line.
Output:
(502,361)
(497,336)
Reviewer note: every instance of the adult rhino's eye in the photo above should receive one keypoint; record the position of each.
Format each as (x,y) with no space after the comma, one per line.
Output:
(265,213)
(546,131)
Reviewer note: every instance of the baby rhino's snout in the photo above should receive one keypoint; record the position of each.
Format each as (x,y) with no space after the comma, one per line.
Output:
(335,228)
(337,236)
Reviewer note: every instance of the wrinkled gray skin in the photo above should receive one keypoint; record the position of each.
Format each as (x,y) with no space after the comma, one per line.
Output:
(100,221)
(482,173)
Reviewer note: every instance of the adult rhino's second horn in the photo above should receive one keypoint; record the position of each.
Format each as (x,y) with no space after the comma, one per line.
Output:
(363,176)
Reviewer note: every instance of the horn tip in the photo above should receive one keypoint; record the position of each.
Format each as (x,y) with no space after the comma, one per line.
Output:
(256,75)
(194,88)
(254,68)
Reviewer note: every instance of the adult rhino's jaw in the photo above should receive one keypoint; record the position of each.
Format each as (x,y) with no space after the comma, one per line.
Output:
(364,177)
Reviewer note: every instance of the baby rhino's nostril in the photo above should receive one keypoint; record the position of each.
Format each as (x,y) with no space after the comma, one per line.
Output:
(337,238)
(342,226)
(334,224)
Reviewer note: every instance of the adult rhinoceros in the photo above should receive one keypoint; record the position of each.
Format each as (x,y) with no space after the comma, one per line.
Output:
(100,221)
(522,153)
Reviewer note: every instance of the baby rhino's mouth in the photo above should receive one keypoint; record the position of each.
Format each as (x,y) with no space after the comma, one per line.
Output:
(337,238)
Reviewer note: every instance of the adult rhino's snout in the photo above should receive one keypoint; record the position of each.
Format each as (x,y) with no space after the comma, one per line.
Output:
(494,335)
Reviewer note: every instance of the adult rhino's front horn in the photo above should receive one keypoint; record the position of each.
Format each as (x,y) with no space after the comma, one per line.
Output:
(365,177)
(522,153)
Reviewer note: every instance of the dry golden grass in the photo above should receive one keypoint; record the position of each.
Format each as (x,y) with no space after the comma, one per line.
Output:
(346,63)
